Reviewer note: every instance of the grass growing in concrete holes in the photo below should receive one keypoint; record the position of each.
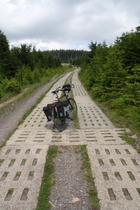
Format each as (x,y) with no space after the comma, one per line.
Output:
(47,181)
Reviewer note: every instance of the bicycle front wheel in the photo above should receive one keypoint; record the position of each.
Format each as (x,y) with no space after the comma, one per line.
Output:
(72,111)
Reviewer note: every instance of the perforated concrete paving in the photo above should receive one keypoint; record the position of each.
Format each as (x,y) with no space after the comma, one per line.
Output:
(117,176)
(20,176)
(90,115)
(22,159)
(115,165)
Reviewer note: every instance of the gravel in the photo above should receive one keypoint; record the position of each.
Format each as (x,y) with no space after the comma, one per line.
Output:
(69,191)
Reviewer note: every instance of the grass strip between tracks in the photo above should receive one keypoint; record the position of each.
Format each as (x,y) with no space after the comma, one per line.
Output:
(48,179)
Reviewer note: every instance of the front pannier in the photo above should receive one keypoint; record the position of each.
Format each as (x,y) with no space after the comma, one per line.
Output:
(67,87)
(48,111)
(62,108)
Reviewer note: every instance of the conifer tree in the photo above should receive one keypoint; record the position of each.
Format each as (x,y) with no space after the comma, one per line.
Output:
(4,54)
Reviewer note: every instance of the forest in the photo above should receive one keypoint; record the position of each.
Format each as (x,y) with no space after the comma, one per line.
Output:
(67,56)
(112,75)
(23,66)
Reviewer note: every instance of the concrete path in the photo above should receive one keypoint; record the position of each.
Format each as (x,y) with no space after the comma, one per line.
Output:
(115,165)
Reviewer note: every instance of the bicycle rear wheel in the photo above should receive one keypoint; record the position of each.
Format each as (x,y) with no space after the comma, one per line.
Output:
(72,111)
(59,123)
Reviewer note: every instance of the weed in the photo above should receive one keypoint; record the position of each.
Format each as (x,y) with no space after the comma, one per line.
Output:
(47,180)
(89,178)
(10,191)
(127,138)
(18,173)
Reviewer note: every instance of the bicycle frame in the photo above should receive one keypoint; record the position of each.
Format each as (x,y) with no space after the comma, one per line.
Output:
(64,94)
(61,110)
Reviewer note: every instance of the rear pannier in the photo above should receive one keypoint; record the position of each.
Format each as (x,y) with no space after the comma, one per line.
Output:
(48,111)
(62,108)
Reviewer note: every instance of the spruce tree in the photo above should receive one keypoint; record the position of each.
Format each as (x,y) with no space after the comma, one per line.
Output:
(4,54)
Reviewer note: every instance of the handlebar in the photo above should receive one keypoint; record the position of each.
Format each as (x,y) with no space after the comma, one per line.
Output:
(66,87)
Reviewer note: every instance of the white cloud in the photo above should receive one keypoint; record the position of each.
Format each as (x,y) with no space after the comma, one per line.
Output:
(65,24)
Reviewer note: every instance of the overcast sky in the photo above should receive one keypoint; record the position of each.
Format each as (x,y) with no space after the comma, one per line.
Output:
(67,24)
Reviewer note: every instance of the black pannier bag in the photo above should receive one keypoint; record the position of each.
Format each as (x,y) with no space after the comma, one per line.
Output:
(67,87)
(48,111)
(61,108)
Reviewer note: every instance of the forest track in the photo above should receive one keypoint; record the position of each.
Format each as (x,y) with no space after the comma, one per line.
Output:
(12,114)
(115,165)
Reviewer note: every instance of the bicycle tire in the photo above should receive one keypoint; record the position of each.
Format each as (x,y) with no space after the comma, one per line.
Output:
(72,111)
(59,123)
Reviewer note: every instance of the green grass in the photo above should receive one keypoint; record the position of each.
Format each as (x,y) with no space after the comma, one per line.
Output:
(127,137)
(120,121)
(32,87)
(76,120)
(69,81)
(93,196)
(76,123)
(48,180)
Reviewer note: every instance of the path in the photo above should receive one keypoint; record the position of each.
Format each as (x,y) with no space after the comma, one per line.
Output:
(11,116)
(115,164)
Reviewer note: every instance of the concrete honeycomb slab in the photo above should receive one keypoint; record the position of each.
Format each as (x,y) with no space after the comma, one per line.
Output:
(116,169)
(21,169)
(115,165)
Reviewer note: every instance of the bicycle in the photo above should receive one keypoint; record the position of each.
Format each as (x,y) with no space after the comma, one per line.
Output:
(63,108)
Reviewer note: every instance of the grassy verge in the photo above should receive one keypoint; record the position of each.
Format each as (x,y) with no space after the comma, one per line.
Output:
(93,196)
(31,87)
(30,90)
(120,121)
(48,180)
(76,120)
(69,81)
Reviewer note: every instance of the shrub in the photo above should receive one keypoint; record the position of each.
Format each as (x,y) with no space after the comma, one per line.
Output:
(36,76)
(13,86)
(4,84)
(133,116)
(119,105)
(1,93)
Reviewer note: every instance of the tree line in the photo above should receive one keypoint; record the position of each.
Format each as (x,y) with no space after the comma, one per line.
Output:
(67,56)
(112,74)
(22,65)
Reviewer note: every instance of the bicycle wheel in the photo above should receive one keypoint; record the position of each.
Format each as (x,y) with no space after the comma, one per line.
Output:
(72,110)
(59,123)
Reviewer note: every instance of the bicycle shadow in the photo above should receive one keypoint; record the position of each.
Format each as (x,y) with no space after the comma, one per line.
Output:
(51,127)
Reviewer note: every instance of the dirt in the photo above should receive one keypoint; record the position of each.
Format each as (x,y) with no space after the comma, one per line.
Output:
(11,116)
(13,98)
(70,189)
